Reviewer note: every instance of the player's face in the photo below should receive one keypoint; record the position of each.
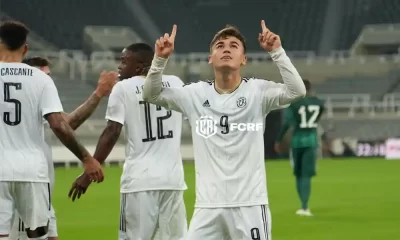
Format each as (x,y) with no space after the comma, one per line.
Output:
(227,53)
(128,66)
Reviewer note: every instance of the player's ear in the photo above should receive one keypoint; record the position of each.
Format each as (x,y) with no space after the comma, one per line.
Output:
(244,61)
(209,59)
(25,49)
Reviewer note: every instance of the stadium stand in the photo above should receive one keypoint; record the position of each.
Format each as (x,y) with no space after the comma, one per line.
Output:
(299,20)
(357,13)
(62,22)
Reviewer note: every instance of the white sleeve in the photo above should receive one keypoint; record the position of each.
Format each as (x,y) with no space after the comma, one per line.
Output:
(50,101)
(174,98)
(278,95)
(116,105)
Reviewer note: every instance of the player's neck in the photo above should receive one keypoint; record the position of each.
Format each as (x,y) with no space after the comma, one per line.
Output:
(227,82)
(10,57)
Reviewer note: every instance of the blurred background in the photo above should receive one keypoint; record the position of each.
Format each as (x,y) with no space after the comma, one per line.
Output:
(348,49)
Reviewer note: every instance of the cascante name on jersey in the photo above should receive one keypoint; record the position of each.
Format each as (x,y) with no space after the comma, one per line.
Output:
(16,71)
(206,126)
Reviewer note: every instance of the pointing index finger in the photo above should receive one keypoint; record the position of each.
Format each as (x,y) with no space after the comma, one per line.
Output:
(263,26)
(173,33)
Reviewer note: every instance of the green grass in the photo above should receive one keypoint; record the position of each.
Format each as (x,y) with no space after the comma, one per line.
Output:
(351,199)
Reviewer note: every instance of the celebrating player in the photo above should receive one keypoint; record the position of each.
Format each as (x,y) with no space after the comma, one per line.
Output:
(74,119)
(225,116)
(303,116)
(152,181)
(29,95)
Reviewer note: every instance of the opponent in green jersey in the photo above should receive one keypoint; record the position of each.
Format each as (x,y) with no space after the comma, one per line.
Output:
(303,116)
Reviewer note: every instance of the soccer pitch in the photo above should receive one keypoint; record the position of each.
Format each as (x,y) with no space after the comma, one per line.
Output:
(351,200)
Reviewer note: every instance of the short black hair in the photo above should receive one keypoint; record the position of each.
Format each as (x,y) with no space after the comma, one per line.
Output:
(13,34)
(36,61)
(143,50)
(307,83)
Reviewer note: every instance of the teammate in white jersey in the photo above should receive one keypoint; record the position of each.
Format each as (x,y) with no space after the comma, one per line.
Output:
(152,182)
(74,119)
(29,95)
(227,117)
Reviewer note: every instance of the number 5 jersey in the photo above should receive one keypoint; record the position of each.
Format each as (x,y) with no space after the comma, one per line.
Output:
(26,96)
(153,134)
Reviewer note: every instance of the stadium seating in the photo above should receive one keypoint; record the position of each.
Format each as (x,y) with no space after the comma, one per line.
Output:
(357,13)
(377,87)
(365,129)
(62,22)
(198,21)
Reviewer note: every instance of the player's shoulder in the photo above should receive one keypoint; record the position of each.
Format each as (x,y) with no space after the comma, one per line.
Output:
(253,81)
(37,74)
(199,84)
(172,81)
(135,80)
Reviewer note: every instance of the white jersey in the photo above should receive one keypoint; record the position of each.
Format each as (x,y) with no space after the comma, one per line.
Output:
(228,130)
(153,158)
(27,95)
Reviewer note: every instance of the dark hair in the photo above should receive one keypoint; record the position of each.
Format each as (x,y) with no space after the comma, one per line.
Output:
(307,83)
(13,34)
(229,31)
(36,62)
(144,52)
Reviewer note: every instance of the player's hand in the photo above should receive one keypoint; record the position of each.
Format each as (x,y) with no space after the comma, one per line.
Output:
(93,169)
(268,40)
(277,148)
(79,186)
(165,45)
(106,82)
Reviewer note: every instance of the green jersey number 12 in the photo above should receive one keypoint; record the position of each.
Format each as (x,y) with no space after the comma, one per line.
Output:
(309,120)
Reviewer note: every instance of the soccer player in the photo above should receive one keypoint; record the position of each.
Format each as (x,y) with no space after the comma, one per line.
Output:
(152,182)
(27,96)
(74,119)
(225,116)
(303,117)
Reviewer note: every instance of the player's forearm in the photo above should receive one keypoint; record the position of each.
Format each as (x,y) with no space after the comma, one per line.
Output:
(294,84)
(153,85)
(66,135)
(84,111)
(106,143)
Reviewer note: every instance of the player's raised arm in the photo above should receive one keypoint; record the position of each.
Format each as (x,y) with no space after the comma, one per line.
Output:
(153,92)
(293,87)
(104,86)
(51,110)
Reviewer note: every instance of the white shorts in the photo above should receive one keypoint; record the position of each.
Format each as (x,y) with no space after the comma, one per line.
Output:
(240,223)
(30,199)
(153,215)
(18,227)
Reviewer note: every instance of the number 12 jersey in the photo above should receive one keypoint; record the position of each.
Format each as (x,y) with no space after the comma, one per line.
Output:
(153,157)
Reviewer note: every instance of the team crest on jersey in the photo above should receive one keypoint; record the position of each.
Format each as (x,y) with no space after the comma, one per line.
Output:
(241,102)
(206,126)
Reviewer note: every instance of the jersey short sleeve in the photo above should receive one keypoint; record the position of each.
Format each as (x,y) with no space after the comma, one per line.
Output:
(50,101)
(270,93)
(116,104)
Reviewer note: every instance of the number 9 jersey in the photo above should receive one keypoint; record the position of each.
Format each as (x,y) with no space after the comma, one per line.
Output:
(153,133)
